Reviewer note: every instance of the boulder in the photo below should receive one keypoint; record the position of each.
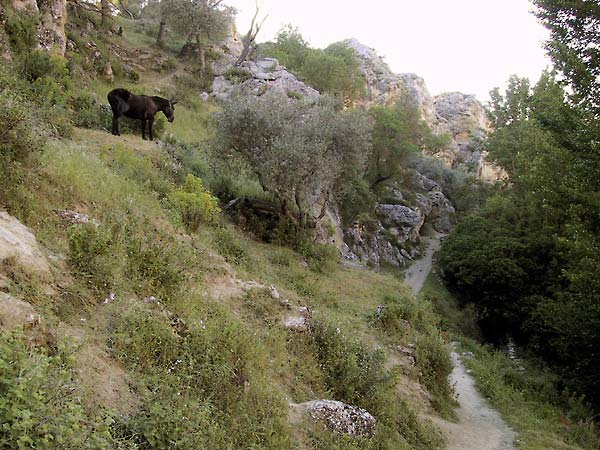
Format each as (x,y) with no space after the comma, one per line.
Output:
(340,417)
(17,242)
(296,323)
(265,74)
(16,313)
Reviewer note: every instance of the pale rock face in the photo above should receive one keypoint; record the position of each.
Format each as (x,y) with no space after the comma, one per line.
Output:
(460,116)
(340,417)
(385,87)
(390,239)
(266,74)
(18,242)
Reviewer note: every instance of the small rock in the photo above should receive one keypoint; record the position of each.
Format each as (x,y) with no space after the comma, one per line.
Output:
(468,354)
(296,323)
(74,217)
(274,292)
(305,312)
(286,304)
(340,417)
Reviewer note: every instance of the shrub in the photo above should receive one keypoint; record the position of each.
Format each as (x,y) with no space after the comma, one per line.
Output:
(295,95)
(237,75)
(21,29)
(433,359)
(89,112)
(229,246)
(144,340)
(91,255)
(34,387)
(353,371)
(195,204)
(18,135)
(395,315)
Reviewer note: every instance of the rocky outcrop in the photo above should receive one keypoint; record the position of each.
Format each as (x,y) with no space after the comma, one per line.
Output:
(460,116)
(51,28)
(18,244)
(393,237)
(256,78)
(340,417)
(385,87)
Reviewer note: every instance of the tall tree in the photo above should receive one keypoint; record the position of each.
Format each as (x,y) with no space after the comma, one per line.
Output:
(574,45)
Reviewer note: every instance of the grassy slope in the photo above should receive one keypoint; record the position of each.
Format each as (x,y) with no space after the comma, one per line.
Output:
(224,378)
(523,391)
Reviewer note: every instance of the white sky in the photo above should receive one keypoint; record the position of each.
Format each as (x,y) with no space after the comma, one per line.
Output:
(469,46)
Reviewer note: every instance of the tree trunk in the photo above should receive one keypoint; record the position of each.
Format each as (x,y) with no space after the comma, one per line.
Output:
(201,54)
(105,11)
(160,39)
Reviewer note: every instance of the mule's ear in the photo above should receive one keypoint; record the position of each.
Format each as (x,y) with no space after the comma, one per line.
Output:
(174,102)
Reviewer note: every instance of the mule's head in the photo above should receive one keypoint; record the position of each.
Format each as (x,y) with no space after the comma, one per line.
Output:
(168,110)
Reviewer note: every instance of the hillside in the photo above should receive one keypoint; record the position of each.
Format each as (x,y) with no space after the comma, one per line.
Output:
(178,294)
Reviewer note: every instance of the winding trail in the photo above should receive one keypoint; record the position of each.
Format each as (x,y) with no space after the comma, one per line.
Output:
(479,427)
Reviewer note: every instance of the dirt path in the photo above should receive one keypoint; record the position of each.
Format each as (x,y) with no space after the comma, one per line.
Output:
(418,271)
(479,427)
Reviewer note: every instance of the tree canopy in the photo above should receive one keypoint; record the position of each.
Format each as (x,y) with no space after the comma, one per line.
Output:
(298,151)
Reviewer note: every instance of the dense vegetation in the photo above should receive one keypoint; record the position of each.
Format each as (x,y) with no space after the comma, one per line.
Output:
(135,350)
(529,260)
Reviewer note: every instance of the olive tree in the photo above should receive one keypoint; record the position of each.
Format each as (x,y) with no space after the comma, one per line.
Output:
(300,152)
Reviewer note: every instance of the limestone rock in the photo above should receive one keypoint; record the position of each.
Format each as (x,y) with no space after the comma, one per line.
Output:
(402,221)
(340,417)
(265,74)
(296,323)
(16,313)
(19,243)
(385,87)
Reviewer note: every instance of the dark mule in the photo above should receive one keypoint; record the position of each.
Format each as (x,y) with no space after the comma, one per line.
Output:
(142,107)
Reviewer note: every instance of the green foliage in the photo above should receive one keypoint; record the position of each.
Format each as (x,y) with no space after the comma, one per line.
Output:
(215,370)
(530,398)
(152,171)
(574,45)
(195,204)
(33,387)
(88,111)
(433,359)
(355,374)
(91,255)
(399,133)
(527,260)
(334,71)
(229,246)
(264,133)
(189,87)
(172,420)
(397,316)
(21,29)
(237,75)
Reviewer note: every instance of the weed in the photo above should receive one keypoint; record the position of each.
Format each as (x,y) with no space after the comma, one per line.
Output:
(195,204)
(237,75)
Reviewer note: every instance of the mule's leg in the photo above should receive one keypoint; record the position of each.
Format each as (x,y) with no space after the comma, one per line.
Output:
(144,129)
(115,125)
(150,124)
